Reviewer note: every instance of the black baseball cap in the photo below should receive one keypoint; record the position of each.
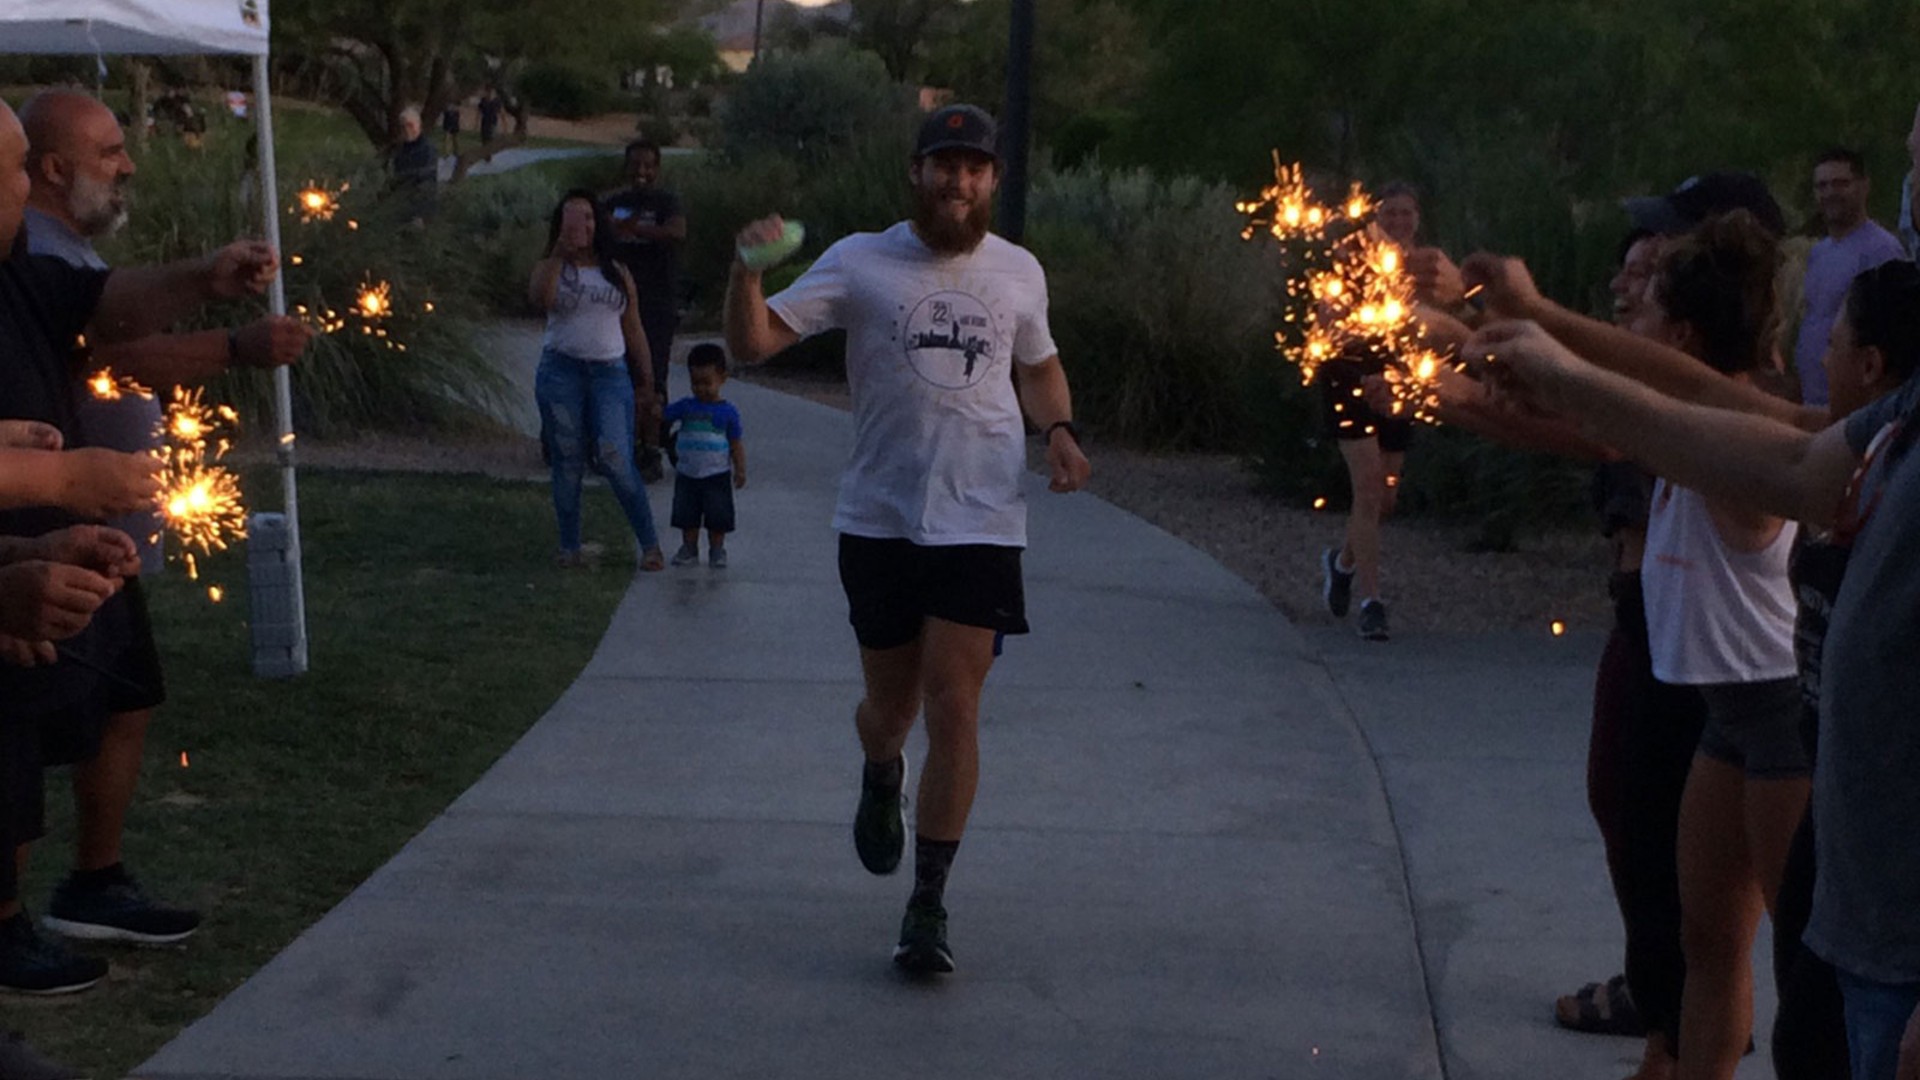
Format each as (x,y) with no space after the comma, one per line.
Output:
(958,127)
(1702,197)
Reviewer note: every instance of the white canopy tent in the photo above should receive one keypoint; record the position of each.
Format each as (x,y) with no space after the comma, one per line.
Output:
(174,28)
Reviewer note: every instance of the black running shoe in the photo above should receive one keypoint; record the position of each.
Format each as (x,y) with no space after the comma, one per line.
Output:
(1337,584)
(118,911)
(880,825)
(18,1061)
(923,943)
(1373,621)
(33,964)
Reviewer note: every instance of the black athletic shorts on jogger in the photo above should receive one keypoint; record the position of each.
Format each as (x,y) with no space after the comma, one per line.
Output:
(894,585)
(1346,413)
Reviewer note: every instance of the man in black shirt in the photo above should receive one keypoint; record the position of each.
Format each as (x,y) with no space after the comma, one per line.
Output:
(649,227)
(46,308)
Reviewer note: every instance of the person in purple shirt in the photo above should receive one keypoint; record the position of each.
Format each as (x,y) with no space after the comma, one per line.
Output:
(1853,243)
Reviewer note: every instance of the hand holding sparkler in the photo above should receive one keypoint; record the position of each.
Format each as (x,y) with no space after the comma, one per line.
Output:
(270,342)
(1436,280)
(1506,286)
(29,435)
(1523,364)
(106,551)
(98,483)
(43,601)
(242,268)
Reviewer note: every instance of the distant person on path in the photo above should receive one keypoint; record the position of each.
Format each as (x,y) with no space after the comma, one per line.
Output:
(712,459)
(1372,444)
(489,108)
(593,369)
(940,315)
(1853,243)
(648,227)
(416,168)
(450,126)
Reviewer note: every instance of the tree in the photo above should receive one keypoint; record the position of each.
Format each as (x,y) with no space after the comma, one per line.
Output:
(376,57)
(898,30)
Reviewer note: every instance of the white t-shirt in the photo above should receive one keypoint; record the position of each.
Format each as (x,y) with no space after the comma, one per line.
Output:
(584,318)
(1714,615)
(939,446)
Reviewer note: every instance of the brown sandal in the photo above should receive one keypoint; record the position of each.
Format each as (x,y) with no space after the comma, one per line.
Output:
(653,559)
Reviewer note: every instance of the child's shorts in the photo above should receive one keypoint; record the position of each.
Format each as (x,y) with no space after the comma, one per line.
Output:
(704,502)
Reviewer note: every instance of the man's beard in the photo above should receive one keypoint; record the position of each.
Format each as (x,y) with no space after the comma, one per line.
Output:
(99,209)
(944,235)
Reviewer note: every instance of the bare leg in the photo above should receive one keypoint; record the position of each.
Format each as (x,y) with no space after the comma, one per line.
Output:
(690,538)
(954,668)
(1361,549)
(1720,908)
(1392,464)
(892,702)
(1773,812)
(103,790)
(716,539)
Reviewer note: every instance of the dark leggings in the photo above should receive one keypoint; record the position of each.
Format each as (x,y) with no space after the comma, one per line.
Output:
(1644,736)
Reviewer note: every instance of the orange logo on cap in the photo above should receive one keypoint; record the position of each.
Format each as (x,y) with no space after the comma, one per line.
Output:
(957,120)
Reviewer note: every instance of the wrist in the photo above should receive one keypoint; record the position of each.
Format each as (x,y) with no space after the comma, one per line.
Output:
(1067,426)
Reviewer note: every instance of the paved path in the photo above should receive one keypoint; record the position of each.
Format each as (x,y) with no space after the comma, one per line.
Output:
(1184,861)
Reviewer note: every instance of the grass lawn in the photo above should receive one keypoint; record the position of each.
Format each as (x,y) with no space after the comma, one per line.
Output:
(440,631)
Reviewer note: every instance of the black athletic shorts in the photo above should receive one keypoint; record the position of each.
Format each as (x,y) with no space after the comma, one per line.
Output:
(893,586)
(704,502)
(1346,413)
(73,734)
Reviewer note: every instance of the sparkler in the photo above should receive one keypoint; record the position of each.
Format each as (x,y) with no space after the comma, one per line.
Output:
(1348,292)
(107,386)
(200,499)
(315,203)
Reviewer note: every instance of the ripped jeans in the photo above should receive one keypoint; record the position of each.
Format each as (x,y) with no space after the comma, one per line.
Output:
(586,412)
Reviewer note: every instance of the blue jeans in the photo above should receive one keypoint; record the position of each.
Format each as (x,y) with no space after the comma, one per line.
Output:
(1877,1015)
(585,403)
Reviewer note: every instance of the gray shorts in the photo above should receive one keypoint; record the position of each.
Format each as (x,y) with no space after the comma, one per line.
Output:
(1756,728)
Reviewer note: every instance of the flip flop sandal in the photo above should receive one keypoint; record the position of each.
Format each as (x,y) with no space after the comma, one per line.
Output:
(1601,1009)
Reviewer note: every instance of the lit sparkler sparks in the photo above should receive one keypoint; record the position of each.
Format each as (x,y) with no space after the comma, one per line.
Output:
(200,499)
(316,203)
(1349,293)
(106,386)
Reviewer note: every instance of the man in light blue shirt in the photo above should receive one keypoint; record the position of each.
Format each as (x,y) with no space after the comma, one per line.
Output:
(1853,243)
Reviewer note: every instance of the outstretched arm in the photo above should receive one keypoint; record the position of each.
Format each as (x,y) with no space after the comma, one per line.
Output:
(1510,291)
(1753,460)
(144,300)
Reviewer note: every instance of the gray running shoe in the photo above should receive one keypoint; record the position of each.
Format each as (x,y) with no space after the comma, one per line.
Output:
(688,555)
(1373,621)
(923,942)
(717,558)
(1337,584)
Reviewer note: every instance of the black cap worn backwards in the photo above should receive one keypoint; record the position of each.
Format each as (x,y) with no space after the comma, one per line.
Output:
(958,127)
(1702,197)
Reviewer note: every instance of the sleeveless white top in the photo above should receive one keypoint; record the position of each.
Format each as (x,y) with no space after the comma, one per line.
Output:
(1714,615)
(584,319)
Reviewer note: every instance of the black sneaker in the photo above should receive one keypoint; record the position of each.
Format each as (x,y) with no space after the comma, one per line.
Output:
(118,911)
(1373,621)
(1337,584)
(923,943)
(32,964)
(18,1061)
(880,824)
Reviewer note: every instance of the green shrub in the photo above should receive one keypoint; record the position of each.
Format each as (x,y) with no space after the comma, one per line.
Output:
(559,90)
(1161,312)
(807,105)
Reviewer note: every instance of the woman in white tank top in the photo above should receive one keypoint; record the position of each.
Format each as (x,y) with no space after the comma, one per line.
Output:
(593,368)
(1720,617)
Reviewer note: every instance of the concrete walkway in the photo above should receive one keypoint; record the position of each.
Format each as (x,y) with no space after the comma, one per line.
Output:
(1183,862)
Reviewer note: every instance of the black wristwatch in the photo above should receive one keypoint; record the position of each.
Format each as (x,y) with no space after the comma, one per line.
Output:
(1046,437)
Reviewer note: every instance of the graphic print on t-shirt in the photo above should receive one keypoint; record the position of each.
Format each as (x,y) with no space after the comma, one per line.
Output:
(949,336)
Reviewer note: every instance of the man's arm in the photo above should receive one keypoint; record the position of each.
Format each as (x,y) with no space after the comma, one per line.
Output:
(1511,292)
(172,359)
(90,482)
(1755,461)
(144,300)
(1048,402)
(753,331)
